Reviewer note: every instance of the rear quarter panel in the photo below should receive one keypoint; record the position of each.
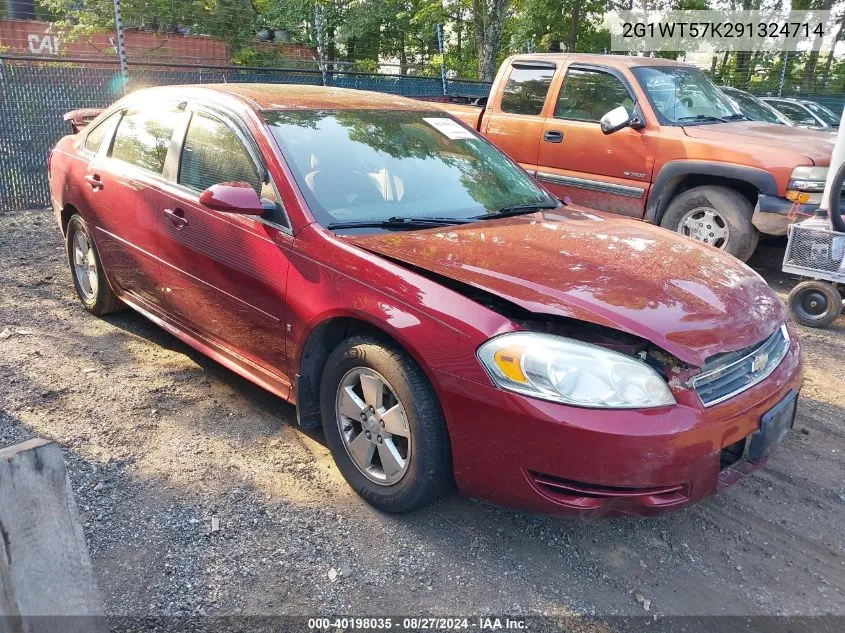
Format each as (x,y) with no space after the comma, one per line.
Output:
(67,169)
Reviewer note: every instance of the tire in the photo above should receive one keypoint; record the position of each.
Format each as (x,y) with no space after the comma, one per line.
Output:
(721,210)
(94,292)
(427,472)
(815,303)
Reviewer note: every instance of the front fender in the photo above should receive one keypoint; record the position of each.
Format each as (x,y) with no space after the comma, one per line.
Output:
(674,172)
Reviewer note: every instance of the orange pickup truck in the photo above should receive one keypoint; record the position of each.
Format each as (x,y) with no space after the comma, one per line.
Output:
(653,139)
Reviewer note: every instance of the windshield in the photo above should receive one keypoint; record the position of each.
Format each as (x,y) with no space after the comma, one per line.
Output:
(755,109)
(823,113)
(377,165)
(684,96)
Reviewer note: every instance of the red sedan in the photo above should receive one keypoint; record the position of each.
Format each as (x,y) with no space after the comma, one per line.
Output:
(414,291)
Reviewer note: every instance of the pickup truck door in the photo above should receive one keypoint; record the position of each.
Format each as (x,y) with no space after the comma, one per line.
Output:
(514,121)
(605,172)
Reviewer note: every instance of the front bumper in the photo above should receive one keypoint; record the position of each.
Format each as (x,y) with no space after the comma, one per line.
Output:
(774,214)
(553,459)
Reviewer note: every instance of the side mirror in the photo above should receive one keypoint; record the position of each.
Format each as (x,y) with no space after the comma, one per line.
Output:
(615,120)
(232,197)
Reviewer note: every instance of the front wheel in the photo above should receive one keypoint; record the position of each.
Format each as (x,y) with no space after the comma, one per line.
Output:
(714,215)
(384,426)
(815,303)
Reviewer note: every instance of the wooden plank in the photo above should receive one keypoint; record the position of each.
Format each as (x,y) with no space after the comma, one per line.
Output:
(44,565)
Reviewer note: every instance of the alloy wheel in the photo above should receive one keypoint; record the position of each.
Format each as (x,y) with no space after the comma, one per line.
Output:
(85,266)
(373,426)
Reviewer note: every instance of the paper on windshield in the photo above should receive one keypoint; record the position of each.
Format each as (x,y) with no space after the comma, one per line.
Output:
(449,128)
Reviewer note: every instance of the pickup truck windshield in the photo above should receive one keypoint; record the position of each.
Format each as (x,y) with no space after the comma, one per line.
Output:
(361,166)
(684,96)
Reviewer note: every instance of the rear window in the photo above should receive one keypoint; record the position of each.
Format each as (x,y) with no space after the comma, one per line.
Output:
(143,137)
(526,89)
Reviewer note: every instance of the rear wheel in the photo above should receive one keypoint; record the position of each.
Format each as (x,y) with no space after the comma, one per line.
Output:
(815,303)
(384,426)
(90,282)
(714,215)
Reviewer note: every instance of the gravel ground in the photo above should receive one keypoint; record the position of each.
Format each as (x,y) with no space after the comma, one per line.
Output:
(199,495)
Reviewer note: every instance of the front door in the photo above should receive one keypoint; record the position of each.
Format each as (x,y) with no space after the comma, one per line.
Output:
(608,172)
(224,274)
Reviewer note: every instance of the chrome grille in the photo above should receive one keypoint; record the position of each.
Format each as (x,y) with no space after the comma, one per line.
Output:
(726,375)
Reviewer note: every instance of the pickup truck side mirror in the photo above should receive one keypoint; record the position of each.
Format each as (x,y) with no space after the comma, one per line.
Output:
(616,119)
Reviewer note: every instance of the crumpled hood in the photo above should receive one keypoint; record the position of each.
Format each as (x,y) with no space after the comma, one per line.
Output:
(693,301)
(817,145)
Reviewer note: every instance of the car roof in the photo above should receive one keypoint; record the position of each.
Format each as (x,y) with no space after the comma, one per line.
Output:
(590,58)
(285,96)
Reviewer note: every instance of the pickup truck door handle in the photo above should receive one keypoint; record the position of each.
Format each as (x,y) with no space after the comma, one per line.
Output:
(177,217)
(94,181)
(552,136)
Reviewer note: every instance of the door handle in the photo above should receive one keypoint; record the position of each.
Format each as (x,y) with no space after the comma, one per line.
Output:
(552,136)
(177,217)
(94,181)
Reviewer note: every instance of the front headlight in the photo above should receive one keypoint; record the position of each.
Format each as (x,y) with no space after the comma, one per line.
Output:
(563,370)
(806,178)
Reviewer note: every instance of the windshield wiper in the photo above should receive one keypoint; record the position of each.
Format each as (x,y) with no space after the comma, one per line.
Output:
(520,209)
(397,222)
(703,117)
(738,117)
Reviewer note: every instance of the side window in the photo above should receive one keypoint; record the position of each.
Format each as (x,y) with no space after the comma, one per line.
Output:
(587,95)
(96,135)
(798,114)
(143,137)
(526,89)
(212,153)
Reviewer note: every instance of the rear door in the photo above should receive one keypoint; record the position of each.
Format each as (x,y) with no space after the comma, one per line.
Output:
(514,122)
(225,274)
(576,159)
(124,181)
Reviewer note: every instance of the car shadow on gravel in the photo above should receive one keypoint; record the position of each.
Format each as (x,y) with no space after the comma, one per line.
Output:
(133,323)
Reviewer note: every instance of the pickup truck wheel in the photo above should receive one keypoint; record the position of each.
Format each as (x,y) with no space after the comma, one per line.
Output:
(714,215)
(384,426)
